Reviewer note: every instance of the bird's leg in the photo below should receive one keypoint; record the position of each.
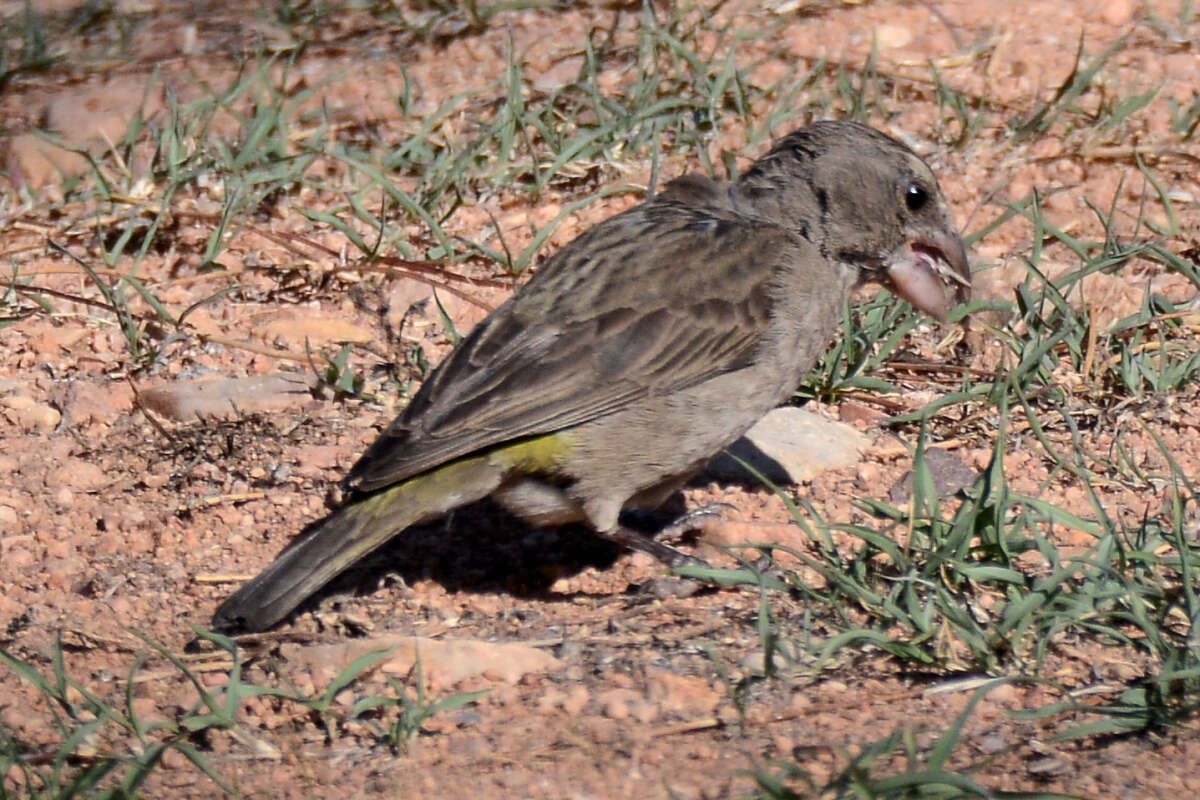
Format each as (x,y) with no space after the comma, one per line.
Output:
(666,586)
(604,515)
(654,544)
(663,552)
(693,520)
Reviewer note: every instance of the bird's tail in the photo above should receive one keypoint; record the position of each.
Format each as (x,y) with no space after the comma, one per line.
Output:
(329,546)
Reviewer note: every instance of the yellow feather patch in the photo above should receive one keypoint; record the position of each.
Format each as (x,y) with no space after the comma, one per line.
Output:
(543,453)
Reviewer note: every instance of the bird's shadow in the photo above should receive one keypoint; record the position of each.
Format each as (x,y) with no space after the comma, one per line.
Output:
(480,549)
(483,549)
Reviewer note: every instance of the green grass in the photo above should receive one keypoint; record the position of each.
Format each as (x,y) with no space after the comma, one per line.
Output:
(526,141)
(105,750)
(79,764)
(948,584)
(24,48)
(874,773)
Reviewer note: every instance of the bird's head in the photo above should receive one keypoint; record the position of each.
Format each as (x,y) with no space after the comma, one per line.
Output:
(869,202)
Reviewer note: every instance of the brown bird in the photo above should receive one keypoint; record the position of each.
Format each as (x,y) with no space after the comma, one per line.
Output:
(641,350)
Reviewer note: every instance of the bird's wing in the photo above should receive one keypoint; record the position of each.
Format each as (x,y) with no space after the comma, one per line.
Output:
(647,303)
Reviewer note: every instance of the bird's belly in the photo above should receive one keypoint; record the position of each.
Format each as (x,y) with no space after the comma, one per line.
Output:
(538,502)
(638,456)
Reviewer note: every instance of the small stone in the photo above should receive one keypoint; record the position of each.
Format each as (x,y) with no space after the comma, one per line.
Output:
(949,474)
(682,695)
(992,741)
(1119,12)
(38,418)
(316,330)
(226,397)
(18,401)
(156,480)
(889,36)
(859,415)
(317,457)
(445,662)
(791,445)
(18,558)
(97,402)
(77,474)
(1048,767)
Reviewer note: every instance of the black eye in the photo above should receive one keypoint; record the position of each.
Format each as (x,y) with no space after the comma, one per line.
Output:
(915,197)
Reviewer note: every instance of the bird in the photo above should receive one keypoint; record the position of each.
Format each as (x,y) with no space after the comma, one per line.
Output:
(639,351)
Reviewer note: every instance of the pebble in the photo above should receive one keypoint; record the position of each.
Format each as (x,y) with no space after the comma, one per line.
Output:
(223,397)
(30,415)
(889,36)
(313,329)
(791,445)
(1119,12)
(77,474)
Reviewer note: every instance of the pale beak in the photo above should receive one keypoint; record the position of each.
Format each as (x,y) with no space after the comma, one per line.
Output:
(931,273)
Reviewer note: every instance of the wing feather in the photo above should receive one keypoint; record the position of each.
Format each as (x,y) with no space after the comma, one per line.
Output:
(654,300)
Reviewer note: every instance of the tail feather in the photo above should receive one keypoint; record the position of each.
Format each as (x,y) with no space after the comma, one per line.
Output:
(333,544)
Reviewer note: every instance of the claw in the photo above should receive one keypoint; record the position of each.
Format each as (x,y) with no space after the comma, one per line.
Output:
(692,520)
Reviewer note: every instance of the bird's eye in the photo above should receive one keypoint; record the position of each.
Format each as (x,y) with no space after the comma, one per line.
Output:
(915,197)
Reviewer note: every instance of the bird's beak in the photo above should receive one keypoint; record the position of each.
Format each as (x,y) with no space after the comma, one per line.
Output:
(931,272)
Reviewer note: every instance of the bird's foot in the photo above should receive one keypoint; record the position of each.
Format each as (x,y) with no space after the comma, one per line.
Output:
(646,544)
(663,587)
(667,588)
(765,567)
(693,520)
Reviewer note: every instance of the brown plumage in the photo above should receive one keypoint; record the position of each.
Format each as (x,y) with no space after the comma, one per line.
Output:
(641,350)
